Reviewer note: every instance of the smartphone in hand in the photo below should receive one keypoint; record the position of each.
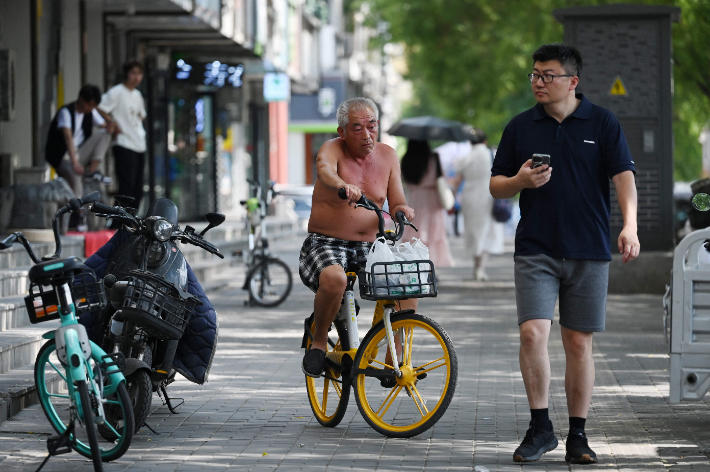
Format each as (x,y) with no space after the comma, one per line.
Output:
(540,159)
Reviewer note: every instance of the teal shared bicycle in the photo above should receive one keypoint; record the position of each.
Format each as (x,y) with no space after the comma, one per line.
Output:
(82,389)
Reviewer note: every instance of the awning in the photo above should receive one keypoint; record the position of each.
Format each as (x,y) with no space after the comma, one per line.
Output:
(313,127)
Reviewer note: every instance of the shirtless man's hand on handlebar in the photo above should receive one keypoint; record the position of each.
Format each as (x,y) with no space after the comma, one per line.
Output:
(352,193)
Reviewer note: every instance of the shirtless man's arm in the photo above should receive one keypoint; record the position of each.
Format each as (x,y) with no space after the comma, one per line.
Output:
(327,169)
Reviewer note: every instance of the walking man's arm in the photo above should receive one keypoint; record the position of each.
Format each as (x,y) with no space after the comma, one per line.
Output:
(628,241)
(527,177)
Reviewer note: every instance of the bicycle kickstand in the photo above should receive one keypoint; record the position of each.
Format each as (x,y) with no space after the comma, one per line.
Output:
(166,400)
(57,445)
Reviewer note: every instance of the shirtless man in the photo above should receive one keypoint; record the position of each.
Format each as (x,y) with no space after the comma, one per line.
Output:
(338,233)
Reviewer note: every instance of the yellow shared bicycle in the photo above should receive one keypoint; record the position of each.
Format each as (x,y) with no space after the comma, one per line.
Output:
(404,370)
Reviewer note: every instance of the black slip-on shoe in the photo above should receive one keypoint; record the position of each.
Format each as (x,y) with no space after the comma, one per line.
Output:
(578,450)
(538,440)
(313,363)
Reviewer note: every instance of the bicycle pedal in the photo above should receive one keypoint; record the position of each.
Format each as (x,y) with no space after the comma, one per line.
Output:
(58,445)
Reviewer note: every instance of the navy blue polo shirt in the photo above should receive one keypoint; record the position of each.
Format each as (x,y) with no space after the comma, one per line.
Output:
(568,217)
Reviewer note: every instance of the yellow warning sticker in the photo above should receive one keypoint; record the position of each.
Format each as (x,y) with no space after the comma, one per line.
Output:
(618,87)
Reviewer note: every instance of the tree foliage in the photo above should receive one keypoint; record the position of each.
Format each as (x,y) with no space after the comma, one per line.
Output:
(467,60)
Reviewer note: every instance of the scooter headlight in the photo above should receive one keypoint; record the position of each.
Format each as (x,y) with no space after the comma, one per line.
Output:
(161,228)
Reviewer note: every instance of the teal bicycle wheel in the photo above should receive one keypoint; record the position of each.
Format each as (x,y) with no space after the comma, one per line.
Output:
(54,396)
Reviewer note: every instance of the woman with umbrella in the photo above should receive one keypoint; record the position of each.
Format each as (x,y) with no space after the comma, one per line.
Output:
(420,169)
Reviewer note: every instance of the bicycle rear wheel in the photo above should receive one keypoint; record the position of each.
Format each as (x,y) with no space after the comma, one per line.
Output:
(53,393)
(269,282)
(423,393)
(329,395)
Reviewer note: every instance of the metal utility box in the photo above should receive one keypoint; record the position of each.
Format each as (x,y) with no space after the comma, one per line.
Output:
(626,57)
(687,319)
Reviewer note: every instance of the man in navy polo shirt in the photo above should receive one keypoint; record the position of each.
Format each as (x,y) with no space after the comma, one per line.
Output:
(562,243)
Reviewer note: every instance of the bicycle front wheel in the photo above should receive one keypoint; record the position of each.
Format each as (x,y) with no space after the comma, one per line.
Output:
(269,282)
(89,426)
(413,403)
(329,394)
(53,393)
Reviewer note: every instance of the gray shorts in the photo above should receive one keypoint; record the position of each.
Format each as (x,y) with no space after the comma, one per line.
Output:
(581,284)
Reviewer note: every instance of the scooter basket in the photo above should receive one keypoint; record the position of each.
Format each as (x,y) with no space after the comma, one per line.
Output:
(88,294)
(398,280)
(155,306)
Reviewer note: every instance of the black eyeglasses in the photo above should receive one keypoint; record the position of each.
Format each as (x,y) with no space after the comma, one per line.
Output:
(546,78)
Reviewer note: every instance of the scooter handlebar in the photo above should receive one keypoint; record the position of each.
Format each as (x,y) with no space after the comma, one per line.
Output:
(99,207)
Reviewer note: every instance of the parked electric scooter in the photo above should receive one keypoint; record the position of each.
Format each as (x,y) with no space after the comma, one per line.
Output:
(147,285)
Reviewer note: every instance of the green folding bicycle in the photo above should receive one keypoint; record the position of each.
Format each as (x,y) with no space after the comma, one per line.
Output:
(80,387)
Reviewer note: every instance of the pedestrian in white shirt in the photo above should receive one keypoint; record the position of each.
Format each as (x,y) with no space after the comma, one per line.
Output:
(123,106)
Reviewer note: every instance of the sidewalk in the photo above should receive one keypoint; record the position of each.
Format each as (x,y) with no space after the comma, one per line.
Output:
(253,415)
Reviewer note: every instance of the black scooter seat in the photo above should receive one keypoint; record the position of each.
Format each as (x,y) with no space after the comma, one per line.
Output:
(44,272)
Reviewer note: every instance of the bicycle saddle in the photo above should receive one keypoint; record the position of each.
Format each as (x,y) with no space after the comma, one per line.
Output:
(44,272)
(356,266)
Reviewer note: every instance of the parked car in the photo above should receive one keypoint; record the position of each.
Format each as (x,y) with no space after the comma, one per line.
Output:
(302,196)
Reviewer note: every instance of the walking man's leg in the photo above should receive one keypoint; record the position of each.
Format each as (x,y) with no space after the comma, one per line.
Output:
(582,312)
(579,382)
(537,285)
(535,367)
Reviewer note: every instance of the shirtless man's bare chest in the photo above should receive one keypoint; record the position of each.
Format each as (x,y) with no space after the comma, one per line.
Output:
(334,217)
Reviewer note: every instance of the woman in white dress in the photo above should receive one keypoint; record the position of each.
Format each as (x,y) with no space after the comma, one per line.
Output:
(483,235)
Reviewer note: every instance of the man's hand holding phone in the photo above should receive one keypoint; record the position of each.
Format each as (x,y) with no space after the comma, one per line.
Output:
(535,172)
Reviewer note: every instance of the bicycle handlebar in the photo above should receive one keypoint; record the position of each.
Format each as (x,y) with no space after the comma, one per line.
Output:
(370,205)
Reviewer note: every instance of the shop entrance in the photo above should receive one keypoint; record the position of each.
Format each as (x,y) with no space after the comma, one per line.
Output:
(191,152)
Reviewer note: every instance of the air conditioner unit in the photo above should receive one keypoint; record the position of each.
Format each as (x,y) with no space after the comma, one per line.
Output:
(7,85)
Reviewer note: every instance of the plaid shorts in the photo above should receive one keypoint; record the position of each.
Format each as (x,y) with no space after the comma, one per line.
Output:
(319,252)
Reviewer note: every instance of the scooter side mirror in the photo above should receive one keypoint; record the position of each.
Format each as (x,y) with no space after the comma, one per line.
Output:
(214,220)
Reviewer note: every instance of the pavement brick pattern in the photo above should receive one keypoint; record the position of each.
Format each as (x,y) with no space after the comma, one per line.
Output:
(253,414)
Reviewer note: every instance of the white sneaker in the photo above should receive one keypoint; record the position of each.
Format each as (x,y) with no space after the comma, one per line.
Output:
(481,275)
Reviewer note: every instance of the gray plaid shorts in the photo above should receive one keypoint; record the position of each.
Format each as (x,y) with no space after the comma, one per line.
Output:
(319,251)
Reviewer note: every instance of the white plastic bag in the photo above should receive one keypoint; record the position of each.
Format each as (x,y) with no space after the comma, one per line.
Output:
(411,272)
(382,252)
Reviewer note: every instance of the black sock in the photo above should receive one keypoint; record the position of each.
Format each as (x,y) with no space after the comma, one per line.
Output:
(542,417)
(577,423)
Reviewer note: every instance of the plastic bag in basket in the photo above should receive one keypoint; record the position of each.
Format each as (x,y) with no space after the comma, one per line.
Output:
(382,252)
(412,272)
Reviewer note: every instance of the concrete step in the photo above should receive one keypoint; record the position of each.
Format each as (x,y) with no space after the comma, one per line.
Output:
(18,390)
(13,313)
(19,346)
(13,282)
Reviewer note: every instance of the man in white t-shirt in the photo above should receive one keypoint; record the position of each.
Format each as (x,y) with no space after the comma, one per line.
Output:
(123,107)
(74,146)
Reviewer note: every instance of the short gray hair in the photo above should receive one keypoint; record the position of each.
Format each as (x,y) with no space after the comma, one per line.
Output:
(356,103)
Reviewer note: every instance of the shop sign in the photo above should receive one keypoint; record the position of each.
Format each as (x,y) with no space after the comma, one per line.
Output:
(277,87)
(326,101)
